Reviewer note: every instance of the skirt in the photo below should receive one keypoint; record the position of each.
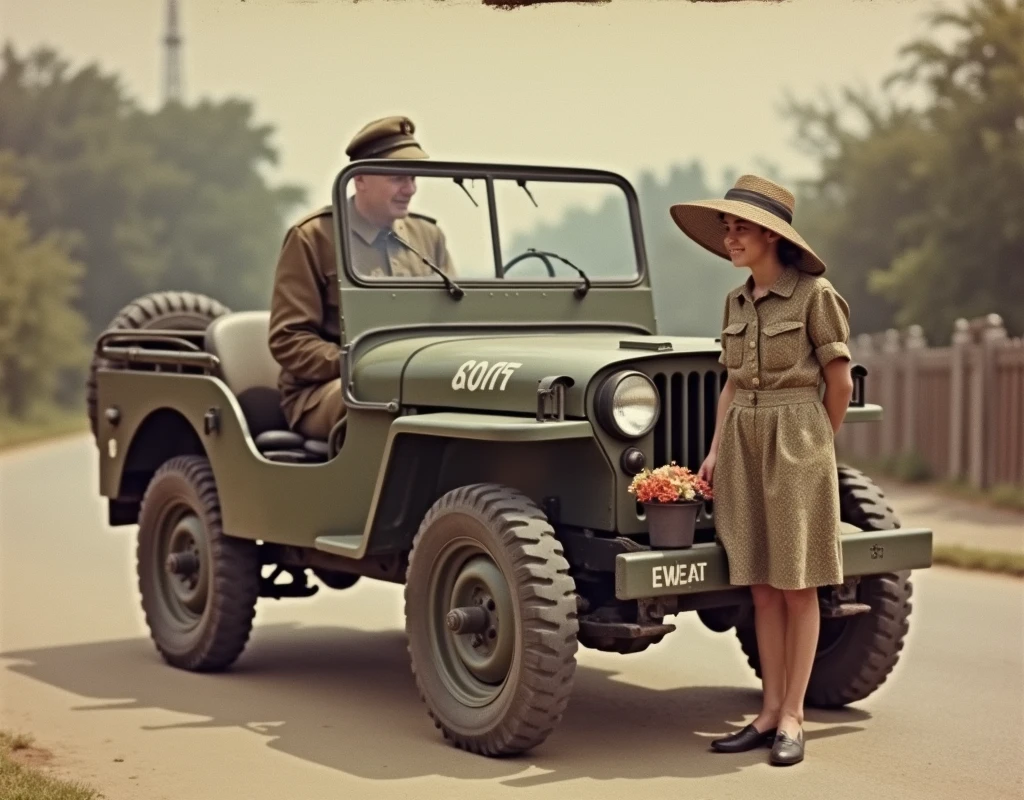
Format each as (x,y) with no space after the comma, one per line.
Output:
(777,490)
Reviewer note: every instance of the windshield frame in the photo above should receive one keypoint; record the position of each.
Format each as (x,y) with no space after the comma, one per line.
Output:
(487,173)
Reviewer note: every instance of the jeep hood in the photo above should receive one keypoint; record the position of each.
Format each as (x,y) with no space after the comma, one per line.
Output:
(501,373)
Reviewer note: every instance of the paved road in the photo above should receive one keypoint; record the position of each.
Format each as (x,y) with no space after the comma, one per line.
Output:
(322,705)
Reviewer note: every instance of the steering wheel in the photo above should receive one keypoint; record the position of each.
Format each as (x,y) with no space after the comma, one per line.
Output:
(531,253)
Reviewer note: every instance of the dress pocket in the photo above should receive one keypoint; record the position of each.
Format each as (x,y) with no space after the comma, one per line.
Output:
(732,344)
(782,344)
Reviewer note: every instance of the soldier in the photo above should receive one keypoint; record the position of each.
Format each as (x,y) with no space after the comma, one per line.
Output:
(304,311)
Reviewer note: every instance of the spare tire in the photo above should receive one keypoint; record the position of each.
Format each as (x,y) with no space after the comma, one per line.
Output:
(183,311)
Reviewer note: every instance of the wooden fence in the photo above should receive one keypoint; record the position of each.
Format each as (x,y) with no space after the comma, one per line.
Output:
(958,409)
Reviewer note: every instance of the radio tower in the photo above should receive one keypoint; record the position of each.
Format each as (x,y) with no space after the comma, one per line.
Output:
(172,63)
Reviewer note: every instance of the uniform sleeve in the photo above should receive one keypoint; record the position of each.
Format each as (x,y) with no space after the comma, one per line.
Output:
(828,325)
(296,314)
(725,321)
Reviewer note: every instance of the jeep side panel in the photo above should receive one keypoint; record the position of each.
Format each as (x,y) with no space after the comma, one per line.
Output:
(260,499)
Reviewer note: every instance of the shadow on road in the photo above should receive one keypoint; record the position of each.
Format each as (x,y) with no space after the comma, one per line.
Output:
(345,699)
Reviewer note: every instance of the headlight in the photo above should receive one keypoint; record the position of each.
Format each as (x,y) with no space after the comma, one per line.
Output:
(627,404)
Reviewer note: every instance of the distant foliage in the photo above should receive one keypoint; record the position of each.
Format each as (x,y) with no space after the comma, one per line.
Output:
(172,199)
(41,335)
(919,211)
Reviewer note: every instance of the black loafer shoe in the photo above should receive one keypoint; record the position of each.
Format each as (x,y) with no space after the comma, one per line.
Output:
(746,739)
(787,751)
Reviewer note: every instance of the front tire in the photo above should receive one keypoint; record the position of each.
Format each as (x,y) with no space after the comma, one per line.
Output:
(503,688)
(199,586)
(855,654)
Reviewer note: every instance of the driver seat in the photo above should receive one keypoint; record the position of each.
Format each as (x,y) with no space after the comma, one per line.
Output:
(239,340)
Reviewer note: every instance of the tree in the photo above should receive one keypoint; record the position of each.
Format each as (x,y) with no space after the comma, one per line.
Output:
(40,332)
(918,210)
(969,255)
(171,199)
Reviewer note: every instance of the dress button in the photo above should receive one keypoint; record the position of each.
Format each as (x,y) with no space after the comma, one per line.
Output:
(753,397)
(756,381)
(751,345)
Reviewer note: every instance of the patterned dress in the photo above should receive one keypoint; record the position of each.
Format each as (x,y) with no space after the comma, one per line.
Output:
(775,482)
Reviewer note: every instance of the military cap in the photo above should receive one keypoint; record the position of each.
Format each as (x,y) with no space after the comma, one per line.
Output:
(390,137)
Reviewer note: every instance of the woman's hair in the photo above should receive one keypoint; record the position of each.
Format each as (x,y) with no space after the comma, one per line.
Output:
(789,254)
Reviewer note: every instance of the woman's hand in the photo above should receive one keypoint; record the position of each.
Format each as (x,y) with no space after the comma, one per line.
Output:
(838,391)
(707,469)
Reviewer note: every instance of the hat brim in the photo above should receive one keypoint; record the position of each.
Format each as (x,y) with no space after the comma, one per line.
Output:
(700,221)
(406,151)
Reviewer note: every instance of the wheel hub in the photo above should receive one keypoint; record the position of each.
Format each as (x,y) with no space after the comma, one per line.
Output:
(473,623)
(481,598)
(183,565)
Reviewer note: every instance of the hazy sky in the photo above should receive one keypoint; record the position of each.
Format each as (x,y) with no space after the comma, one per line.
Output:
(625,86)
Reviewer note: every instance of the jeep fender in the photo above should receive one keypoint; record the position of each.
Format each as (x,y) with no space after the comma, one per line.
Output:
(559,464)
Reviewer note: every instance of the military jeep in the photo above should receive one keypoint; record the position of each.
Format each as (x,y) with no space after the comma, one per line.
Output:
(494,421)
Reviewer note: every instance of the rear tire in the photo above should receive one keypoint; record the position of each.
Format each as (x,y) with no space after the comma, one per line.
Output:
(185,311)
(503,690)
(855,654)
(199,616)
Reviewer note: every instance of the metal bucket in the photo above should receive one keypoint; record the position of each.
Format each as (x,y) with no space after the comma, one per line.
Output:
(672,525)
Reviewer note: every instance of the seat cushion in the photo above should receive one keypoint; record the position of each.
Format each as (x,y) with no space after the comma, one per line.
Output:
(239,340)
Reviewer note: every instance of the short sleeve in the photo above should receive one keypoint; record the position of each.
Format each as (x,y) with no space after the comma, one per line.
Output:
(725,321)
(828,325)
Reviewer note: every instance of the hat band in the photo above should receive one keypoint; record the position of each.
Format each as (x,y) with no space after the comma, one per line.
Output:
(383,145)
(762,201)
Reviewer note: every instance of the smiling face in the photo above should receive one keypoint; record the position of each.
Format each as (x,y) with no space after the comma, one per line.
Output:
(384,198)
(747,243)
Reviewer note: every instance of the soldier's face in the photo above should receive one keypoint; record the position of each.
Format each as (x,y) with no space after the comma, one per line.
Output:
(386,197)
(745,242)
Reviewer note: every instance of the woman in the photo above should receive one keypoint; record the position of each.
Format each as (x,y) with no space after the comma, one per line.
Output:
(772,460)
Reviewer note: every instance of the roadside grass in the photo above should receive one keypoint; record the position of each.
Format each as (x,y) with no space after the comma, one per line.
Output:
(45,424)
(1004,496)
(913,469)
(22,776)
(975,559)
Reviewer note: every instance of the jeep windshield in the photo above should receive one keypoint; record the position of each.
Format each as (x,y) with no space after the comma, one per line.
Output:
(450,226)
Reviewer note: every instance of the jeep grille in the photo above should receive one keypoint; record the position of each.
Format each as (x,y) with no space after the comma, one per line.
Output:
(686,426)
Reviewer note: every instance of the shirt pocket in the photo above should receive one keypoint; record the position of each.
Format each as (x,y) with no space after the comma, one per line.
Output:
(732,344)
(782,344)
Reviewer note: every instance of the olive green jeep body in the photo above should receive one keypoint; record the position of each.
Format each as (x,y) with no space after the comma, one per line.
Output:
(480,462)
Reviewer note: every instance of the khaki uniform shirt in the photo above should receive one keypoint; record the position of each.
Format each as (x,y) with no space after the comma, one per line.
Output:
(784,339)
(379,252)
(304,311)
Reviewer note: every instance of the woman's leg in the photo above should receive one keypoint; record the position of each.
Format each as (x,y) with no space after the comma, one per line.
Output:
(803,621)
(770,625)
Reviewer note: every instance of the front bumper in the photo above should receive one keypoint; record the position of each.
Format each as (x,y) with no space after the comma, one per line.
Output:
(705,568)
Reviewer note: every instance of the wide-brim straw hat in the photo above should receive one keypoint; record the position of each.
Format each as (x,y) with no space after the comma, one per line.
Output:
(753,198)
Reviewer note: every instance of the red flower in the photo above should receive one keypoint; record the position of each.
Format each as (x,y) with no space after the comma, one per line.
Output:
(670,483)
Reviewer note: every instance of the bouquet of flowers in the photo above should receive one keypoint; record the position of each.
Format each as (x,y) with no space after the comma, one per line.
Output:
(669,484)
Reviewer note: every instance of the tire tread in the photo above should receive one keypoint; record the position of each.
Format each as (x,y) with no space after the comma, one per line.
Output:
(234,567)
(549,620)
